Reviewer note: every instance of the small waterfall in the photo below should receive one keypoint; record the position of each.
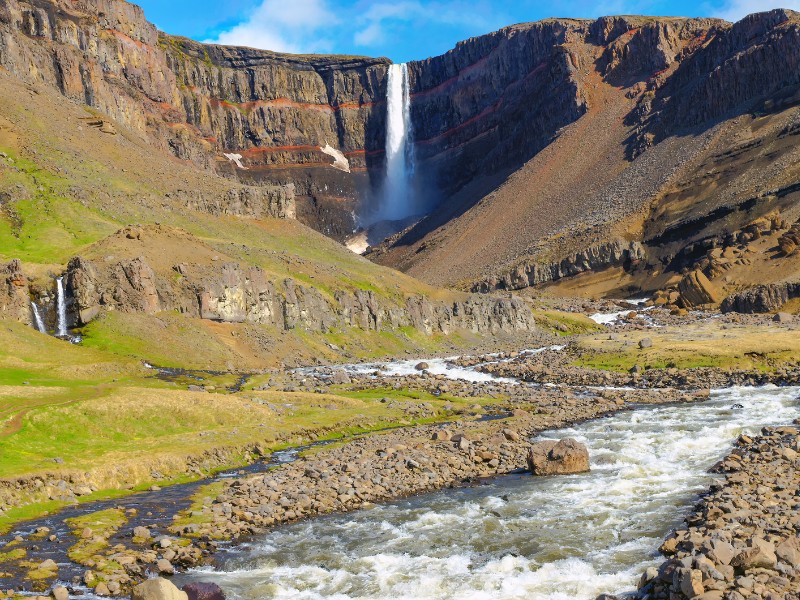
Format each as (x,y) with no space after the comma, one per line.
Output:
(61,303)
(37,317)
(397,193)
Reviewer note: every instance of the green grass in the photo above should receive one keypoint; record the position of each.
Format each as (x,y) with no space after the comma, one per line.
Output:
(43,225)
(103,524)
(706,345)
(171,341)
(194,515)
(565,324)
(12,555)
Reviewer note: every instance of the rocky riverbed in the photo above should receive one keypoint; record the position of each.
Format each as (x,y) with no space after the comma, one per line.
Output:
(741,541)
(116,555)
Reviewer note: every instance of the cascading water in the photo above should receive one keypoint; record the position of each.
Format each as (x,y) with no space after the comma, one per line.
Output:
(37,317)
(61,303)
(397,190)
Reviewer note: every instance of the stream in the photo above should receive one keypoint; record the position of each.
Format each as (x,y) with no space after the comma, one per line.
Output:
(553,538)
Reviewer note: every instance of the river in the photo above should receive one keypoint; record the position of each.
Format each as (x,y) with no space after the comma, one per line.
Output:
(552,538)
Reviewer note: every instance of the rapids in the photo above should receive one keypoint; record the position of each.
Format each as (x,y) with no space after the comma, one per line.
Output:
(552,538)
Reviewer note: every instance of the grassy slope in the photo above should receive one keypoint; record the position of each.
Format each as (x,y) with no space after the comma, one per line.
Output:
(65,188)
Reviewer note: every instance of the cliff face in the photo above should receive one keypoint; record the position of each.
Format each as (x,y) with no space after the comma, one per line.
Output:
(202,102)
(491,103)
(479,111)
(736,66)
(680,134)
(545,149)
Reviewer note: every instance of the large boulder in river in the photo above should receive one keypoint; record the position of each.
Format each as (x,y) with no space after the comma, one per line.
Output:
(158,589)
(558,458)
(204,591)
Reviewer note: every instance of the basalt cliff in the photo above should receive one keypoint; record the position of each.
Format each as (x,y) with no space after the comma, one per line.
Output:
(603,156)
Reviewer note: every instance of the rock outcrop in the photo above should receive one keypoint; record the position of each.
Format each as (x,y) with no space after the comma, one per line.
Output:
(528,274)
(232,293)
(251,202)
(15,302)
(564,457)
(736,66)
(790,241)
(762,298)
(696,290)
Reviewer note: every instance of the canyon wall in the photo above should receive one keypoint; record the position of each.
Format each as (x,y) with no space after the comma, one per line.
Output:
(201,102)
(481,113)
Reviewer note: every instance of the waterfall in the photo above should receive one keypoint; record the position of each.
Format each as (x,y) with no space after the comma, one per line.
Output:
(61,302)
(397,193)
(37,316)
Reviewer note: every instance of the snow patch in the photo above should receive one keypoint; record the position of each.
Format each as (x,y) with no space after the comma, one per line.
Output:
(339,159)
(235,158)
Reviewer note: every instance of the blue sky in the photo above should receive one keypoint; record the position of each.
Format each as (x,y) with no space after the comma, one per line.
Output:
(400,29)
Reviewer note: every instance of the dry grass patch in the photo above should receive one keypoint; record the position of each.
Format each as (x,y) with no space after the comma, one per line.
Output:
(703,345)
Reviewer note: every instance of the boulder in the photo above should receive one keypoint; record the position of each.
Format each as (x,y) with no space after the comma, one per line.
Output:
(423,366)
(48,565)
(158,589)
(59,592)
(441,435)
(760,554)
(783,317)
(558,458)
(204,591)
(697,290)
(789,552)
(165,567)
(645,343)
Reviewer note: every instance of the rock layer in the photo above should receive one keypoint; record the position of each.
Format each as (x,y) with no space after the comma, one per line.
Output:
(762,298)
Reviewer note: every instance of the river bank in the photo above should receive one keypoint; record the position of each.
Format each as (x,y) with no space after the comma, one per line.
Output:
(480,413)
(741,540)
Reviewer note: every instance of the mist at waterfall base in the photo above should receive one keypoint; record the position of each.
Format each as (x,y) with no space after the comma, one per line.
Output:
(398,202)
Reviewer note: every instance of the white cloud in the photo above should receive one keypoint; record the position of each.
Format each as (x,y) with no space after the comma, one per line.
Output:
(371,35)
(734,10)
(296,26)
(376,23)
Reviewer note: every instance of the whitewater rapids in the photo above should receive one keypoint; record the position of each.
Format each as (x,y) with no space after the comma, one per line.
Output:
(519,537)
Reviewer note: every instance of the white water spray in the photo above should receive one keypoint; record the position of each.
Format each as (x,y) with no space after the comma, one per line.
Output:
(37,316)
(397,194)
(61,303)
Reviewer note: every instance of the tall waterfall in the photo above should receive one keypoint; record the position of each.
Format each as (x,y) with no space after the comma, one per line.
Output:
(37,317)
(397,192)
(61,303)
